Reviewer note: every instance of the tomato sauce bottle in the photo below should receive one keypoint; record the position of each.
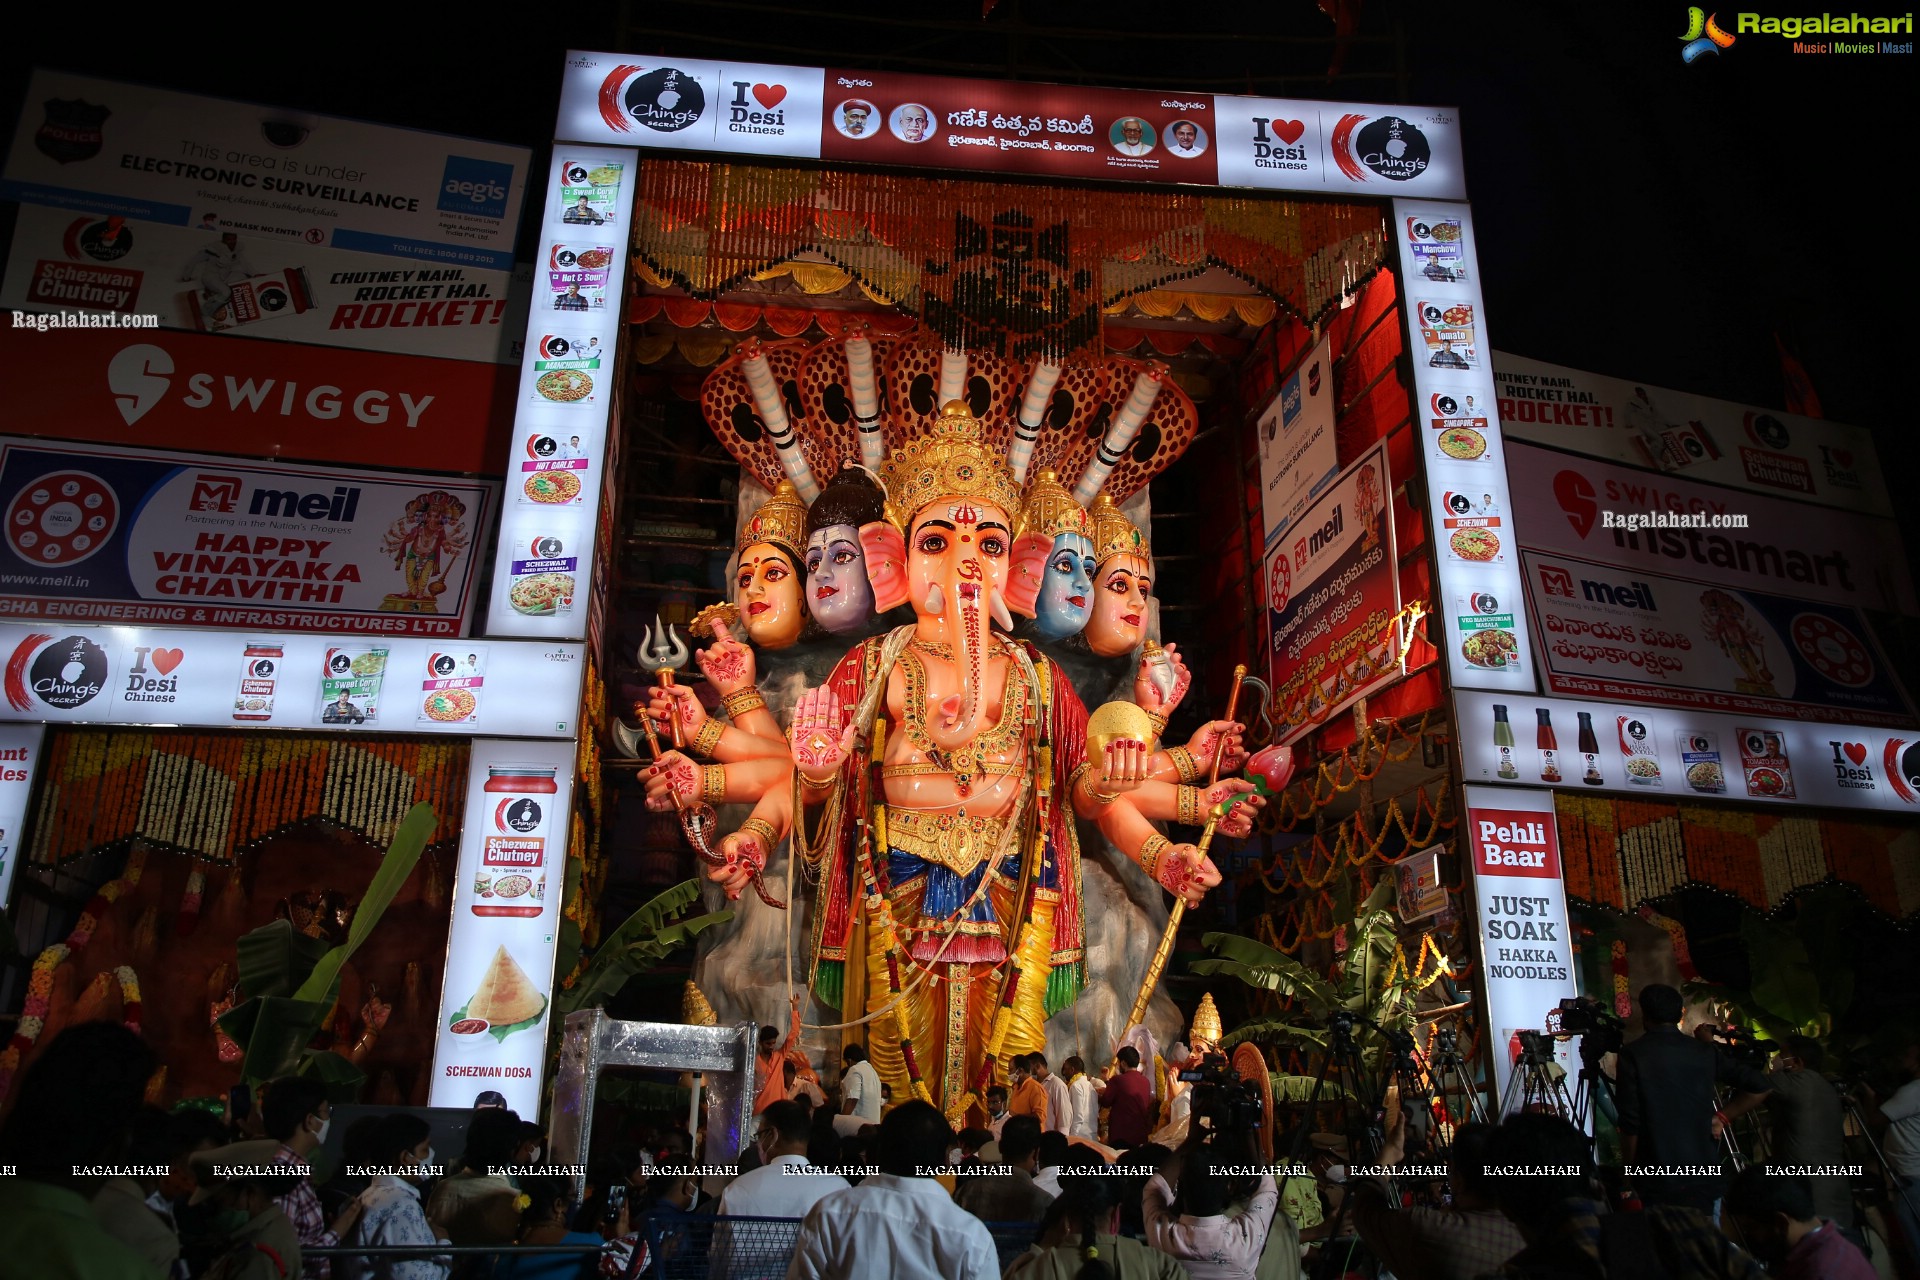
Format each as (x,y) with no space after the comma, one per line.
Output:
(1548,744)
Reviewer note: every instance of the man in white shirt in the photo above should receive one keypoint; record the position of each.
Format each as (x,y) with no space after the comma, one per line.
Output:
(1898,1122)
(1085,1091)
(784,1186)
(899,1223)
(1059,1097)
(859,1092)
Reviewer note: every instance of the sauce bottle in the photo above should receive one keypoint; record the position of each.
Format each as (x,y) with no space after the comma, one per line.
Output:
(1503,739)
(1590,752)
(1548,744)
(511,879)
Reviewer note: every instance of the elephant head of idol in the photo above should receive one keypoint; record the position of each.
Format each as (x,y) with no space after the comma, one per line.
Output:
(1122,582)
(1051,578)
(838,594)
(945,549)
(766,582)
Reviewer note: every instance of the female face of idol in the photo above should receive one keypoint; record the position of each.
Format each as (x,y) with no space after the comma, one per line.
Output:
(1122,586)
(767,591)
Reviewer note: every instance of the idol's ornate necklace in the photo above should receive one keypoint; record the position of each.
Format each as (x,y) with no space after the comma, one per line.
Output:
(963,762)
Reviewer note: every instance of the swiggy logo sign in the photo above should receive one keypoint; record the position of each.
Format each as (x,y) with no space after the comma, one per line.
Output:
(1703,35)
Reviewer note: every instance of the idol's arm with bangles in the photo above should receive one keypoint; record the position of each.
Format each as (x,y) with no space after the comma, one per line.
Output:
(748,848)
(744,739)
(743,780)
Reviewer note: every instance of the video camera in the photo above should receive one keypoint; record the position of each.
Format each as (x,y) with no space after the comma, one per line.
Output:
(1743,1046)
(1222,1099)
(1601,1028)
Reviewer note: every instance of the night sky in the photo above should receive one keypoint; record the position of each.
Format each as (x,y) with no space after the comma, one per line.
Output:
(1637,216)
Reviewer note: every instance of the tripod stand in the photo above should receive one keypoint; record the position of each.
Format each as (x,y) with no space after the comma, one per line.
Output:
(1447,1071)
(1363,1133)
(1538,1083)
(1593,1091)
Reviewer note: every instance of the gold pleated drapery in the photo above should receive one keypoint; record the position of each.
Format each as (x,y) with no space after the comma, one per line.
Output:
(1017,268)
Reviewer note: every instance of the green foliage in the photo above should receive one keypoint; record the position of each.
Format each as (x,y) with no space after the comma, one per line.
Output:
(648,936)
(1800,974)
(290,981)
(1365,986)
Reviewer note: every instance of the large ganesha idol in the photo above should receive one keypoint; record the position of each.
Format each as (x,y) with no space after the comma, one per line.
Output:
(930,785)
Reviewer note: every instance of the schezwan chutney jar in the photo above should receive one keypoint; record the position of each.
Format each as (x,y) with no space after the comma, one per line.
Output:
(512,879)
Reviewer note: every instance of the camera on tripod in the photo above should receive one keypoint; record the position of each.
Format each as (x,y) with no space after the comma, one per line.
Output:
(1222,1101)
(1602,1028)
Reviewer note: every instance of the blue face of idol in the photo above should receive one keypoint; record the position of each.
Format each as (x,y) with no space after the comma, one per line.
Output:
(1066,589)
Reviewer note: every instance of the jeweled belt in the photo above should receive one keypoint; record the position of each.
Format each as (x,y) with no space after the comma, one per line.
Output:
(956,843)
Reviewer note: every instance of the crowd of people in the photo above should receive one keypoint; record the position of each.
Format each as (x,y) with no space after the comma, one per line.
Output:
(1063,1183)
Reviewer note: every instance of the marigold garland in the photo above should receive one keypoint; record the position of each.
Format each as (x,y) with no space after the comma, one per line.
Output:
(210,795)
(33,1019)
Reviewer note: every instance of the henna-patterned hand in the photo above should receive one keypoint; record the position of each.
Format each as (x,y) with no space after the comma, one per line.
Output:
(726,662)
(1208,738)
(674,775)
(820,742)
(1147,694)
(745,854)
(1123,767)
(1238,823)
(1185,873)
(664,702)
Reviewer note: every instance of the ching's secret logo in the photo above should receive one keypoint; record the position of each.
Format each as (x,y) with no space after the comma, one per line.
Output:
(665,100)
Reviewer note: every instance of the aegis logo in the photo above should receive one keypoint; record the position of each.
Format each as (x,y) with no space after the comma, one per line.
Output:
(141,375)
(665,100)
(1390,146)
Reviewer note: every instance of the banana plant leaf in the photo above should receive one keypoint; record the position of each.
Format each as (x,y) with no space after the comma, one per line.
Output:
(1784,981)
(1292,1088)
(272,1032)
(1259,965)
(342,1079)
(273,1027)
(403,853)
(645,938)
(1278,1031)
(276,958)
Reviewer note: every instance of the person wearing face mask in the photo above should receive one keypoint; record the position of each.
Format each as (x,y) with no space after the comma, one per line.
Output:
(390,1206)
(296,1114)
(479,1205)
(244,1179)
(786,1185)
(545,1221)
(997,1112)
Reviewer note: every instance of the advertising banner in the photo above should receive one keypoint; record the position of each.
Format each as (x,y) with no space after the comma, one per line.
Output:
(1298,454)
(19,751)
(281,680)
(260,286)
(1690,754)
(118,533)
(1576,507)
(939,122)
(260,399)
(1741,446)
(544,563)
(1333,590)
(97,146)
(1479,581)
(497,994)
(1514,848)
(1679,643)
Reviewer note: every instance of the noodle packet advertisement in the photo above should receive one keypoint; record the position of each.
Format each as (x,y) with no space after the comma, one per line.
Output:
(1438,249)
(577,276)
(543,575)
(450,688)
(589,192)
(350,684)
(1447,329)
